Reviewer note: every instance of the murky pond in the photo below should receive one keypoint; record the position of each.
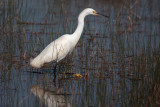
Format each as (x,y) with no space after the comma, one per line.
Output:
(118,57)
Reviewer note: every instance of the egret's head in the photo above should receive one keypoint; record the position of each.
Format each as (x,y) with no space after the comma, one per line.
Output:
(93,12)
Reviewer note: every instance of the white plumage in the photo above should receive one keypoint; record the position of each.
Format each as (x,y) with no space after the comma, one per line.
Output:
(58,49)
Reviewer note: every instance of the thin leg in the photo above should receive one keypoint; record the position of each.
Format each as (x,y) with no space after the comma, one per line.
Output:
(60,66)
(55,70)
(54,80)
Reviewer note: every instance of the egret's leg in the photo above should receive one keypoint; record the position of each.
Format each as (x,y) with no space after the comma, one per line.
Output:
(60,66)
(55,70)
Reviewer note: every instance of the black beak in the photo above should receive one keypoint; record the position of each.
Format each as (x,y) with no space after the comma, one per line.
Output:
(102,15)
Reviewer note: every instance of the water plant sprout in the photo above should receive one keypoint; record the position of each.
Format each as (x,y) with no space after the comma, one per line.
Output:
(64,45)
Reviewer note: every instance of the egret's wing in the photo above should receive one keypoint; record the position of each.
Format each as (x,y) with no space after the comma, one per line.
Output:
(56,50)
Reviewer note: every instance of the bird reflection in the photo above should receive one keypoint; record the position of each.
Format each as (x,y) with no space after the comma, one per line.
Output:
(51,97)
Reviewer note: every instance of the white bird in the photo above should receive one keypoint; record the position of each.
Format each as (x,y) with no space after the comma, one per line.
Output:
(58,49)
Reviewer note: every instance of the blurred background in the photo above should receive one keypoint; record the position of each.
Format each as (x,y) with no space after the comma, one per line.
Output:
(118,57)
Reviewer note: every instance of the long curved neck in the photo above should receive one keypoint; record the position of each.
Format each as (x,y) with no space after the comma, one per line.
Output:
(79,29)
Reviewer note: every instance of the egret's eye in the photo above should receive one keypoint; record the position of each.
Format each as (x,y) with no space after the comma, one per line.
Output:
(94,12)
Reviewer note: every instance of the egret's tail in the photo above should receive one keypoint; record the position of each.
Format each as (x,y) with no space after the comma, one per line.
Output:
(36,62)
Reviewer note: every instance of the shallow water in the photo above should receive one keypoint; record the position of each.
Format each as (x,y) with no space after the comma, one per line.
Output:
(118,57)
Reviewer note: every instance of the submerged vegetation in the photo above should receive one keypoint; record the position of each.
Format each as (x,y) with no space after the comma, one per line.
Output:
(118,58)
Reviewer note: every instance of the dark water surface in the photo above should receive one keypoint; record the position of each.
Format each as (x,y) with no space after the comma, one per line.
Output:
(119,57)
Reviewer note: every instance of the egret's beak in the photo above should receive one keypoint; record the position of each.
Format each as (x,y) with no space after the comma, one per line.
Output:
(96,13)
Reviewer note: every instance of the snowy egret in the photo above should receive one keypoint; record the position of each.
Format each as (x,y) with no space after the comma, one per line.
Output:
(58,49)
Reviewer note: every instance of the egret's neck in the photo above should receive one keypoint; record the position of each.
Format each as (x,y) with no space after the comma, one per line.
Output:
(80,26)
